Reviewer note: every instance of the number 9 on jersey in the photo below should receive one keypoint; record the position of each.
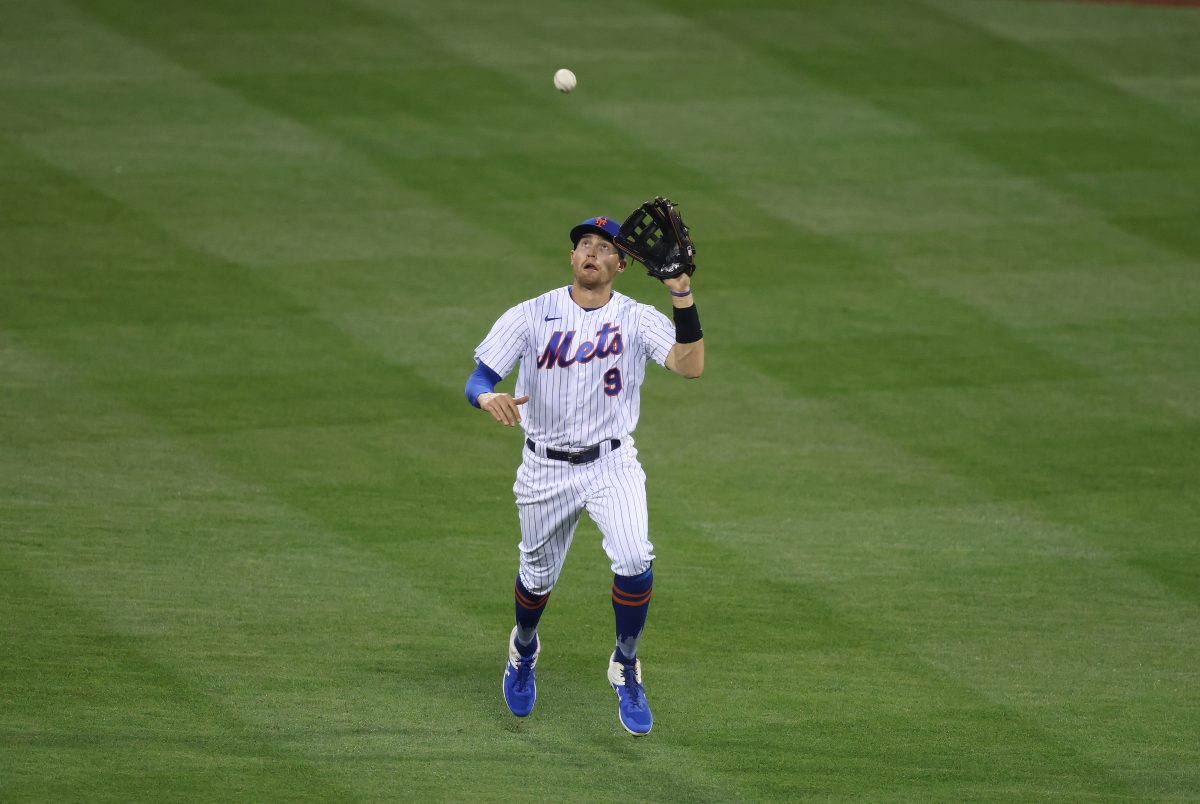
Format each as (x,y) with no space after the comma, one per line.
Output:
(612,381)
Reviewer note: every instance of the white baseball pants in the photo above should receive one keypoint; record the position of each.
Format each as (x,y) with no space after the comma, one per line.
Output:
(551,495)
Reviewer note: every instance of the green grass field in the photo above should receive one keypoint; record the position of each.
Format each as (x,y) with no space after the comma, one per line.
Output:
(928,528)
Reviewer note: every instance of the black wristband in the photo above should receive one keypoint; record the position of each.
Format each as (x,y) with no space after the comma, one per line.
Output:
(687,324)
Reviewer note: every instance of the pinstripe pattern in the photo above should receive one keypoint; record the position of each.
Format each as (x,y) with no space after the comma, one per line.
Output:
(583,371)
(551,495)
(567,406)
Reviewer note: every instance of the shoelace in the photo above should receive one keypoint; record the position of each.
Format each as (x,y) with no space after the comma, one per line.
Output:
(524,668)
(632,688)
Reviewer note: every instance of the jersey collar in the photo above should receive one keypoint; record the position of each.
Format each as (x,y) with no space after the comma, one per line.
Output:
(611,293)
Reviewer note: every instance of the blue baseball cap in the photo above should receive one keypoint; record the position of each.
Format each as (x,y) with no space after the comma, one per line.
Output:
(601,224)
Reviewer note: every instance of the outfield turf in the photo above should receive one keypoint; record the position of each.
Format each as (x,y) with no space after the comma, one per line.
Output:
(927,528)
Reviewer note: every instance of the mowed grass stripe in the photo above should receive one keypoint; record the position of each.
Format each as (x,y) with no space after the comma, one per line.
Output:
(91,708)
(1135,163)
(1160,65)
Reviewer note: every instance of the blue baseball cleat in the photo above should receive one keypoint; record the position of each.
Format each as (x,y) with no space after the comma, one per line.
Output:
(520,686)
(632,708)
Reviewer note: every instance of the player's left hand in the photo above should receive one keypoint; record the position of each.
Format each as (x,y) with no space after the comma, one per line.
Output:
(655,235)
(678,284)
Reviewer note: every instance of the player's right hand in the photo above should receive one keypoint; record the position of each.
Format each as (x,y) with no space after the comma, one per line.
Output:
(503,407)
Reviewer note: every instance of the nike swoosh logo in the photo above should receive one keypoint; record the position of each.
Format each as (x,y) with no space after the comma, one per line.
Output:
(553,317)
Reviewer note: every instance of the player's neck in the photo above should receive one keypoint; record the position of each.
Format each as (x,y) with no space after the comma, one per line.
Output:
(591,298)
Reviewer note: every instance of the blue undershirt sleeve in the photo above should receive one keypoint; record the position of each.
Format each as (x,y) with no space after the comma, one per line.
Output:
(482,381)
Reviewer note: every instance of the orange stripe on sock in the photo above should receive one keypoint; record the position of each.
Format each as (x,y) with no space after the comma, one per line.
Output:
(527,603)
(626,599)
(629,596)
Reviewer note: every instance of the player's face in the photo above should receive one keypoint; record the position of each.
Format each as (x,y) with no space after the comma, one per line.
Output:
(596,261)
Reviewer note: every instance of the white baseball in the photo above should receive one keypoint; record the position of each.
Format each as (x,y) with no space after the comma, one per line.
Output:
(564,80)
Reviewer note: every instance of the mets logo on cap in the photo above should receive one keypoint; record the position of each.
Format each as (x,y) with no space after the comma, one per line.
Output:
(601,224)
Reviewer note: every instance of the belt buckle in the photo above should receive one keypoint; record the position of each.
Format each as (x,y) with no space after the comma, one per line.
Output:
(576,458)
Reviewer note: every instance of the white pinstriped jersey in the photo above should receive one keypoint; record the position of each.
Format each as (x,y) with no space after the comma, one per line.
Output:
(582,369)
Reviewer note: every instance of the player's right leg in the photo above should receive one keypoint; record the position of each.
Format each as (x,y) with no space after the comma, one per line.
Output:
(549,507)
(520,684)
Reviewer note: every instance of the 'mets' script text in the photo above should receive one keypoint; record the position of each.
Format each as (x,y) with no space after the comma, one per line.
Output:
(561,350)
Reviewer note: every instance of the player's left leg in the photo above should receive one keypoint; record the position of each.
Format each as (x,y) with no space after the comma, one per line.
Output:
(631,603)
(618,506)
(631,600)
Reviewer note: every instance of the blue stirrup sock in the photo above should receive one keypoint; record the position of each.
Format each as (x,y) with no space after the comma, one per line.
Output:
(631,600)
(529,611)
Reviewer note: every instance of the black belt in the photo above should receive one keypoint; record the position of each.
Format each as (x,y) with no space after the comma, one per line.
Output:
(586,455)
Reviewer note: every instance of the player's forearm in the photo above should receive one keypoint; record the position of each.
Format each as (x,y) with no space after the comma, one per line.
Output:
(482,381)
(689,359)
(688,352)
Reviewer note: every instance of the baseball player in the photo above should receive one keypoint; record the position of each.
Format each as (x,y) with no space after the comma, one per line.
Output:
(583,351)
